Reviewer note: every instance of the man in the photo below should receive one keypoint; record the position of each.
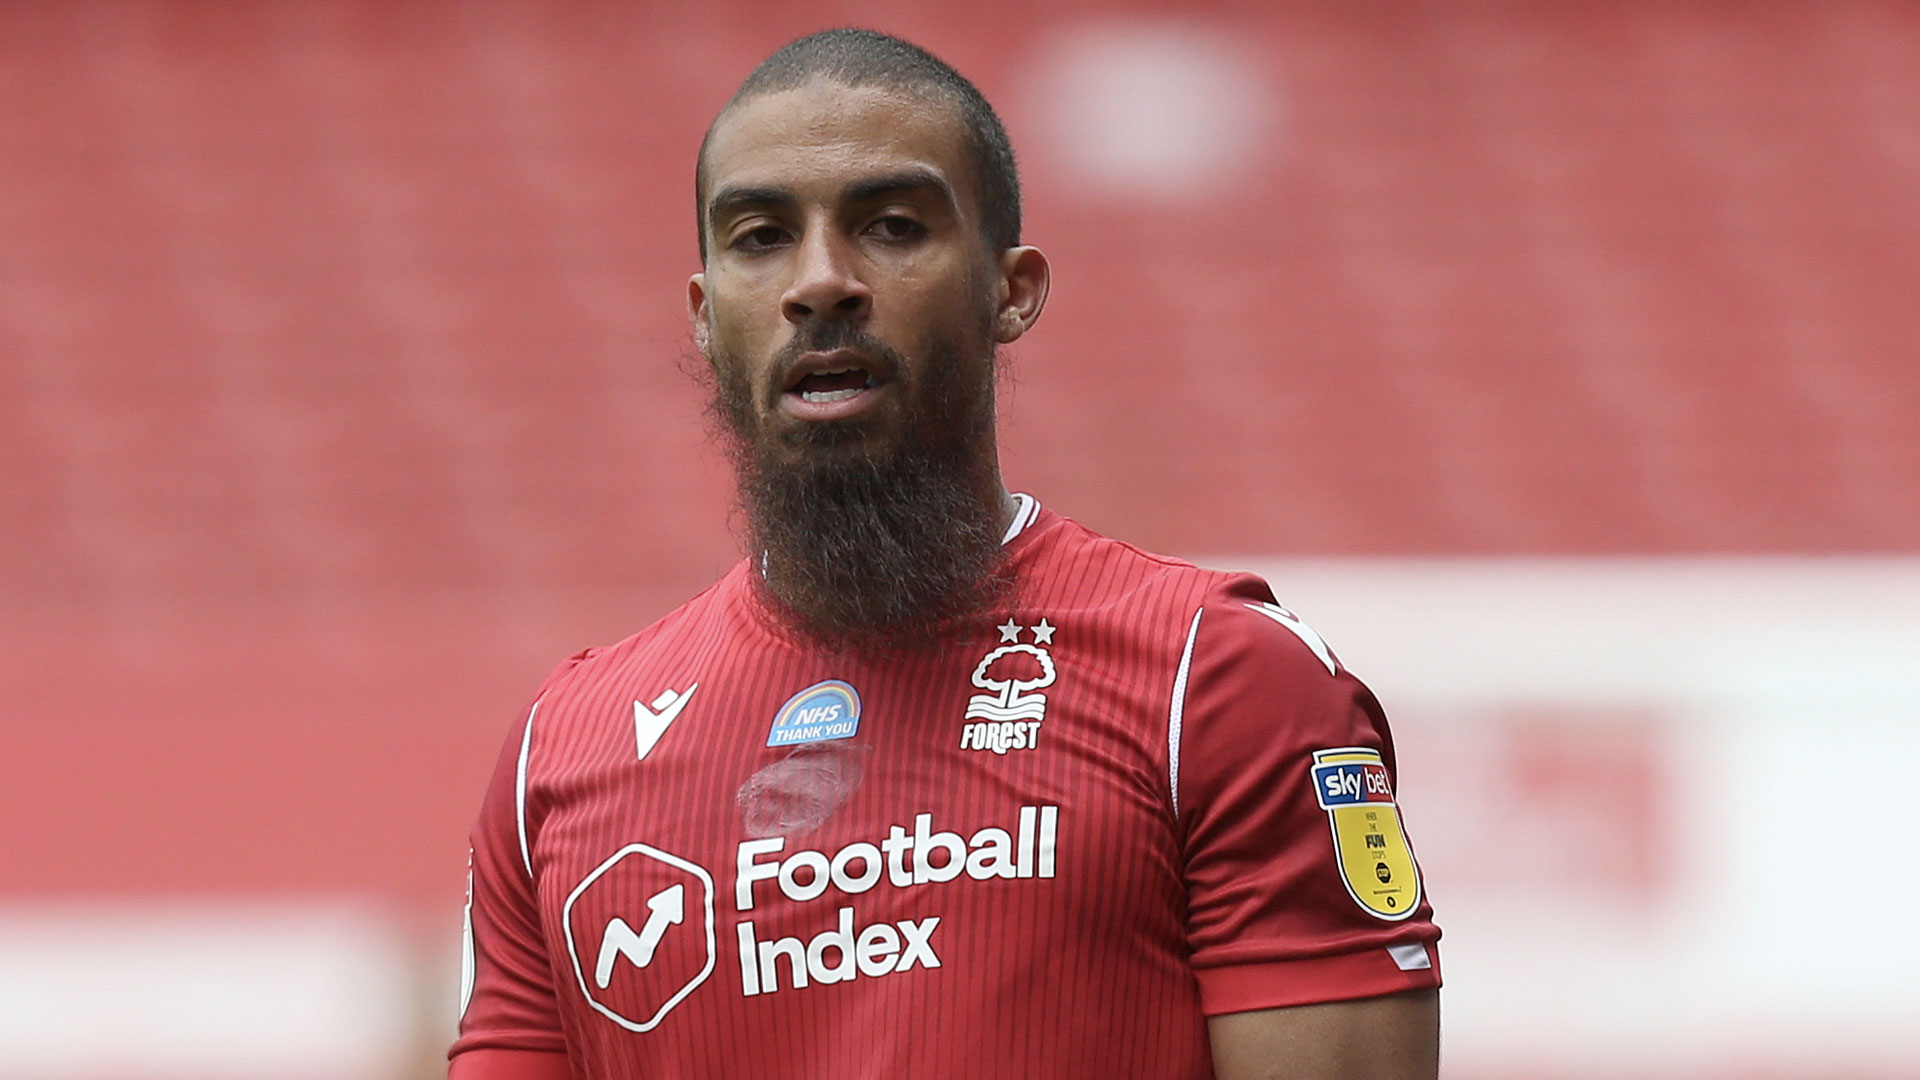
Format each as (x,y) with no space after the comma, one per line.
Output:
(935,783)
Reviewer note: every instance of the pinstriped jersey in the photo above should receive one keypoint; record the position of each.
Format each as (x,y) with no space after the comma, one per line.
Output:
(1138,794)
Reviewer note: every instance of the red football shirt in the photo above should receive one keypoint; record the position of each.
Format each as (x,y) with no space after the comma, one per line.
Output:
(1142,794)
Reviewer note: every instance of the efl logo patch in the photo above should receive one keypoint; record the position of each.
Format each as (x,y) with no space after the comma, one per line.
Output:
(825,710)
(1376,864)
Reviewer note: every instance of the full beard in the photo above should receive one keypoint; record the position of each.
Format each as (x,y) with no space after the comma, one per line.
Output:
(874,549)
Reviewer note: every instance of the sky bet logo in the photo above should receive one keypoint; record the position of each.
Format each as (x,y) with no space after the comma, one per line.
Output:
(1349,783)
(825,710)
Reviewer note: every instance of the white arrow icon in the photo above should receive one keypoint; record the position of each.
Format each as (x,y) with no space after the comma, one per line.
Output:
(650,724)
(664,909)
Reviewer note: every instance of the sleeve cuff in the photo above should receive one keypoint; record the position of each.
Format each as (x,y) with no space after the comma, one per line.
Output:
(488,1063)
(1373,972)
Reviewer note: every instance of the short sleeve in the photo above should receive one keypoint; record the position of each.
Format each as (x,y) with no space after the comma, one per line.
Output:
(508,1001)
(1301,883)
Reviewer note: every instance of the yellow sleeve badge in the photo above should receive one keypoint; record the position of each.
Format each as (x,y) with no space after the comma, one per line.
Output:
(1375,862)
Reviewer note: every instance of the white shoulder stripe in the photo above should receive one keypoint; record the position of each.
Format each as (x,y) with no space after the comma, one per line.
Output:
(1023,517)
(520,788)
(1177,713)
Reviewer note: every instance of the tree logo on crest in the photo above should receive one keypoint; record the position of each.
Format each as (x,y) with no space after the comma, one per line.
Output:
(1012,674)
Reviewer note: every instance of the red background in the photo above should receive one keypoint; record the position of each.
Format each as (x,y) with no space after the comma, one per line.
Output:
(342,354)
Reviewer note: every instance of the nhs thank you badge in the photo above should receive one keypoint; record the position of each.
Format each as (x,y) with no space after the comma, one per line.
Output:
(825,710)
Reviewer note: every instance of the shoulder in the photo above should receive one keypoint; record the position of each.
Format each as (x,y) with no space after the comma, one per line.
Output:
(1244,628)
(1262,694)
(1065,561)
(720,608)
(1238,610)
(1056,538)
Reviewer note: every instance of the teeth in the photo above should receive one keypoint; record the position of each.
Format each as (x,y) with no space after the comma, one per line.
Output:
(821,396)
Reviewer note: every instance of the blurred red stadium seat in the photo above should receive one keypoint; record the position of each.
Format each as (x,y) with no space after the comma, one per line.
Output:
(351,322)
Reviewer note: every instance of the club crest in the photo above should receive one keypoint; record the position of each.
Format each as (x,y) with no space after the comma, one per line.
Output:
(1008,713)
(1376,864)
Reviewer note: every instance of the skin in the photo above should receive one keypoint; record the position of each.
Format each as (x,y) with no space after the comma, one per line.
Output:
(1385,1038)
(830,202)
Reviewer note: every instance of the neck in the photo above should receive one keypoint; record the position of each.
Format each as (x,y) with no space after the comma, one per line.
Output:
(992,491)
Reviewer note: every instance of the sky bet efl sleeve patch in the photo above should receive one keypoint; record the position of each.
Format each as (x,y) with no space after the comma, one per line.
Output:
(1375,862)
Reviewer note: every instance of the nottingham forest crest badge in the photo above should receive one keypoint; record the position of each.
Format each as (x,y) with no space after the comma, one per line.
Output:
(1012,678)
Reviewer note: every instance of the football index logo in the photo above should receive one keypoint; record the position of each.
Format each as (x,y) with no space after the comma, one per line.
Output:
(634,977)
(1352,786)
(825,710)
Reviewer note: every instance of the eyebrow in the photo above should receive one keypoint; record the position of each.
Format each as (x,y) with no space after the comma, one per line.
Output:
(731,200)
(912,178)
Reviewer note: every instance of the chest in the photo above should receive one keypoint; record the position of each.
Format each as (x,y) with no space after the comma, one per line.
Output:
(716,837)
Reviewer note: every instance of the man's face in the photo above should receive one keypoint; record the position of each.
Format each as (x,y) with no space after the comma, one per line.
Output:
(848,299)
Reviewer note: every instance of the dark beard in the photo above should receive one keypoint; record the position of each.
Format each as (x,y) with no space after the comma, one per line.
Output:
(875,551)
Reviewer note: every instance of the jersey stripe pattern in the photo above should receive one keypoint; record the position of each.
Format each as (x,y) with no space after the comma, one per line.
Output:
(999,857)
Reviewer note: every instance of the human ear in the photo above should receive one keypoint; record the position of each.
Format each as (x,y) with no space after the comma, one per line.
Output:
(1024,278)
(698,314)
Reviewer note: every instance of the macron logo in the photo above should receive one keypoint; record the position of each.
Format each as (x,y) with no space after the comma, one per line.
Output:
(1300,630)
(650,724)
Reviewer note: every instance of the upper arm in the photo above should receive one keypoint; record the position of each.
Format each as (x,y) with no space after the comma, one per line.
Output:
(490,1064)
(1301,885)
(509,1002)
(1384,1038)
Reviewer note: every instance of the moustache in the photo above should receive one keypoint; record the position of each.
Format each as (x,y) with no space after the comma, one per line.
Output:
(881,359)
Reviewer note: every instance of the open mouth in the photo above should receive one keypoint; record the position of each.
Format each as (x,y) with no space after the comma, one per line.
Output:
(837,384)
(834,386)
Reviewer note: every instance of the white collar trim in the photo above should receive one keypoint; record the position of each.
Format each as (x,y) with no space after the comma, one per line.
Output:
(1022,518)
(1029,511)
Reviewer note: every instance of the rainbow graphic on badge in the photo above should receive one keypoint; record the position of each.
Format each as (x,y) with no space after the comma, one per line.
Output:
(825,710)
(1352,786)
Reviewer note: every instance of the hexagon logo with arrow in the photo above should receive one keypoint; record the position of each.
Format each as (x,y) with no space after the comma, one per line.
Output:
(635,962)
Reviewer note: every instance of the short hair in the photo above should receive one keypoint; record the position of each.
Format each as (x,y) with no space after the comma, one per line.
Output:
(856,57)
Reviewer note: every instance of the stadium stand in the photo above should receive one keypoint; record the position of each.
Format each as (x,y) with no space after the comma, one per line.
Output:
(344,384)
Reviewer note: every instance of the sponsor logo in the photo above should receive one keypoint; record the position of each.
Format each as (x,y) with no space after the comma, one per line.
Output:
(651,723)
(1347,783)
(637,976)
(1352,786)
(880,949)
(1307,635)
(1008,715)
(641,929)
(903,859)
(825,710)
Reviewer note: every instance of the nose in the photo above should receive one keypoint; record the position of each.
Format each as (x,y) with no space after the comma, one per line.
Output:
(825,283)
